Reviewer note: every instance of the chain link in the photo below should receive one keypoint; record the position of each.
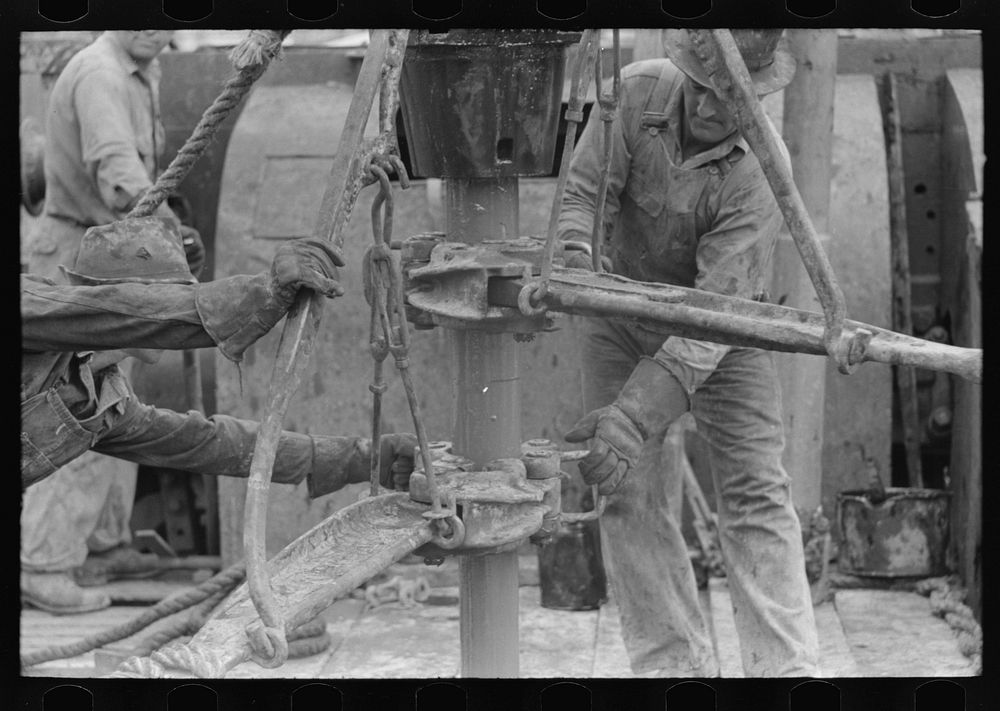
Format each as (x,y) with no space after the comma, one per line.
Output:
(609,109)
(588,54)
(388,315)
(267,635)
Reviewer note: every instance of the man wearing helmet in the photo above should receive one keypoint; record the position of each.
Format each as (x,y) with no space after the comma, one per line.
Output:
(688,204)
(131,289)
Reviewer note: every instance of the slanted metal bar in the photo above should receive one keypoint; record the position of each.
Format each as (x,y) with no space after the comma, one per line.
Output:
(299,334)
(692,313)
(731,80)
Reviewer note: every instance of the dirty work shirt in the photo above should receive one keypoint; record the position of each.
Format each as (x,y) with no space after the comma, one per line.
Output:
(74,399)
(103,134)
(709,222)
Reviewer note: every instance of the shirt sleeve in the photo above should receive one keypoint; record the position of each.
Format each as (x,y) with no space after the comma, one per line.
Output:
(58,317)
(223,446)
(223,313)
(107,139)
(733,259)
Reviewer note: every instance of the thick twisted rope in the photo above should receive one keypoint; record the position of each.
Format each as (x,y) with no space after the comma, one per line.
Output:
(182,626)
(215,588)
(250,58)
(946,602)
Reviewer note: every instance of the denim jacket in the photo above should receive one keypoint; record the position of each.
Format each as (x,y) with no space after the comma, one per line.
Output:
(73,400)
(708,222)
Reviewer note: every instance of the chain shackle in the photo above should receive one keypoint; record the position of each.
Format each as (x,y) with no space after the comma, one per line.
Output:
(529,298)
(449,529)
(268,645)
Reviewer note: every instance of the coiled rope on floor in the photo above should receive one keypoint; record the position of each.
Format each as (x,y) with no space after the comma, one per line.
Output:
(250,59)
(212,590)
(946,602)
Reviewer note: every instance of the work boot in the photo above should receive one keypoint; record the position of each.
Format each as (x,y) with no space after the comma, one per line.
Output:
(58,594)
(118,563)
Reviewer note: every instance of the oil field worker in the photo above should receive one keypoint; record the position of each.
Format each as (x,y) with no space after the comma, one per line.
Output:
(688,204)
(103,148)
(134,291)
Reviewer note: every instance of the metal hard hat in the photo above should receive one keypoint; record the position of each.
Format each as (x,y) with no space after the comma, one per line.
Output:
(32,165)
(146,250)
(770,63)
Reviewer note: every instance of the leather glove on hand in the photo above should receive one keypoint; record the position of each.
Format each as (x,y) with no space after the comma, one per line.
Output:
(647,404)
(194,249)
(305,263)
(615,449)
(396,460)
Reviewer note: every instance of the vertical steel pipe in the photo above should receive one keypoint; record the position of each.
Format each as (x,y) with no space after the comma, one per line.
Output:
(806,129)
(487,426)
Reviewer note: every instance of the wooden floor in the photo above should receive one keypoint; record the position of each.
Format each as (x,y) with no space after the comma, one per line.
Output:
(863,632)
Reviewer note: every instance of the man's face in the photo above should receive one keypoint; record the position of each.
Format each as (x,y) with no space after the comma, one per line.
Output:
(144,45)
(708,120)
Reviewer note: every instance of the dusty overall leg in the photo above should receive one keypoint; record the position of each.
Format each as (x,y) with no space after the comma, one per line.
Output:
(61,512)
(663,626)
(738,409)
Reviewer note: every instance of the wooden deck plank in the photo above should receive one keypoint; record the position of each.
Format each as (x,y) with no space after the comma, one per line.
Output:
(555,643)
(893,633)
(395,642)
(866,632)
(610,655)
(727,642)
(835,658)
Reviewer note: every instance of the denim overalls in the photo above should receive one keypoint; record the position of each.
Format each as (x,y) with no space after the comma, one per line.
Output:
(664,216)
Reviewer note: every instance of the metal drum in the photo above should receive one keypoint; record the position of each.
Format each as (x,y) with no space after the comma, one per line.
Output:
(483,103)
(570,571)
(906,535)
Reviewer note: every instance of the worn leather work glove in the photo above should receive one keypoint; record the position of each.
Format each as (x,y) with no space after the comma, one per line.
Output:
(339,461)
(305,263)
(396,460)
(651,399)
(615,449)
(194,249)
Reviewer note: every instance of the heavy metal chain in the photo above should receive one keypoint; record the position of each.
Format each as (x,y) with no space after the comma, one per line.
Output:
(588,53)
(388,316)
(609,108)
(529,300)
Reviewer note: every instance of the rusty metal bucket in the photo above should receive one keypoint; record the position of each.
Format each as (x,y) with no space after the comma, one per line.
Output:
(483,103)
(570,570)
(905,535)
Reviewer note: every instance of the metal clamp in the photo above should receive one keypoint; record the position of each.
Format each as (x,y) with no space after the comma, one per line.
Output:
(600,501)
(455,535)
(453,283)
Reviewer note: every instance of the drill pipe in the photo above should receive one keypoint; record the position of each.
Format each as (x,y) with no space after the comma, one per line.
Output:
(693,313)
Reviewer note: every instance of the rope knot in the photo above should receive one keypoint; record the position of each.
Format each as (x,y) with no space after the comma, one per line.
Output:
(257,48)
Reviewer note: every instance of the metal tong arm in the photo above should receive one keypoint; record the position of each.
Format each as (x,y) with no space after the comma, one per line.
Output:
(347,176)
(703,315)
(718,51)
